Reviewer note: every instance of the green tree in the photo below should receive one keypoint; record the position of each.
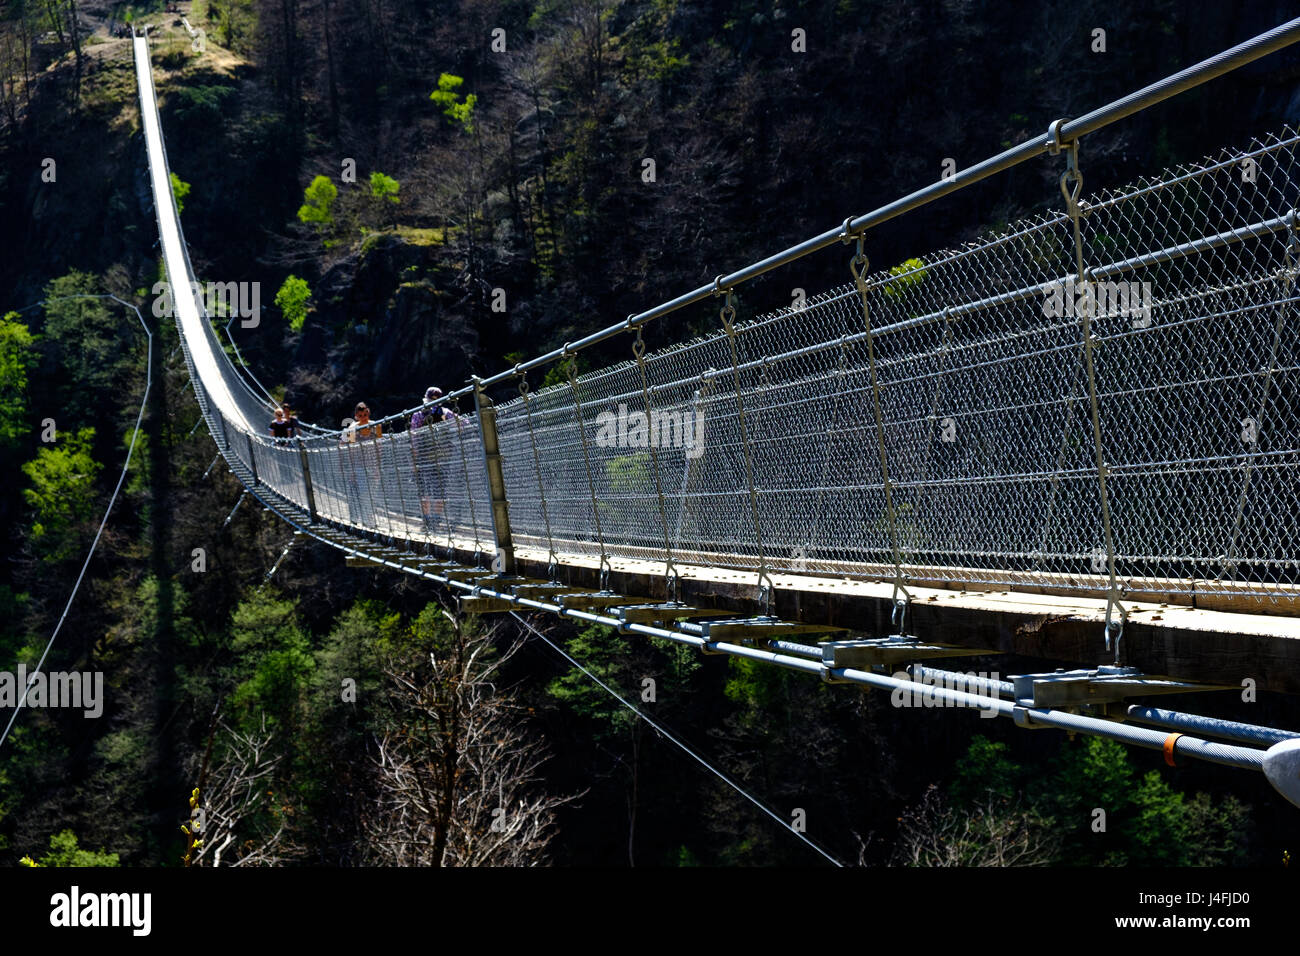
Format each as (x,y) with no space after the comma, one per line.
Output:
(1168,828)
(137,475)
(909,275)
(292,300)
(460,112)
(558,374)
(92,341)
(987,767)
(599,649)
(349,665)
(62,492)
(275,661)
(383,196)
(384,188)
(346,700)
(65,852)
(757,687)
(318,205)
(180,190)
(15,360)
(601,652)
(1088,774)
(1146,823)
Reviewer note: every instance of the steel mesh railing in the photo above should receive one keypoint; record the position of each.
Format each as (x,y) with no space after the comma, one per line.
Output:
(932,423)
(985,409)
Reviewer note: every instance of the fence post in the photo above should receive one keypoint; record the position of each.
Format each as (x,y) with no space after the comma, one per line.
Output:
(504,562)
(306,480)
(252,461)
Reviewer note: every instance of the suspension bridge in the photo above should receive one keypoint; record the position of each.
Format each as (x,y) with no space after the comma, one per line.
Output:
(1077,439)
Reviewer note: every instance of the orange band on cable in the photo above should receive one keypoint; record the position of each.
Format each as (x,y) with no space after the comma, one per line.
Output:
(1169,749)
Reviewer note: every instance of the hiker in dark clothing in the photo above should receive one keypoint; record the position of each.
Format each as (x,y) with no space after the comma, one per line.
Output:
(292,418)
(284,425)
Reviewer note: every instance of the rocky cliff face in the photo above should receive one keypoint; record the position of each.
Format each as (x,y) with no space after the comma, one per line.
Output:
(390,320)
(757,149)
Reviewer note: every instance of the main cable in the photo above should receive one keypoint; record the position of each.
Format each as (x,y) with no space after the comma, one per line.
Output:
(144,401)
(658,727)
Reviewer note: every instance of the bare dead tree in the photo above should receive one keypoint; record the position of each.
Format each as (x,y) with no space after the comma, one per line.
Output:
(74,32)
(237,818)
(15,67)
(457,769)
(584,25)
(990,833)
(864,846)
(531,108)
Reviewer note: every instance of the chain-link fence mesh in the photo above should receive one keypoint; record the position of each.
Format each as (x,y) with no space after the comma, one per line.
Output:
(985,406)
(759,446)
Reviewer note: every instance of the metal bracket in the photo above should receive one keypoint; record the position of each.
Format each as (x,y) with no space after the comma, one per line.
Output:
(467,574)
(1054,142)
(1024,720)
(889,651)
(750,630)
(441,567)
(668,611)
(503,582)
(477,604)
(1107,684)
(585,600)
(539,590)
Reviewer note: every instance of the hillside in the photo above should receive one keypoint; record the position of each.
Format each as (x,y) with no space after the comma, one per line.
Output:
(455,200)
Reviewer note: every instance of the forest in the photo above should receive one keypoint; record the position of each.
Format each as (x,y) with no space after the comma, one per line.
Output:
(425,190)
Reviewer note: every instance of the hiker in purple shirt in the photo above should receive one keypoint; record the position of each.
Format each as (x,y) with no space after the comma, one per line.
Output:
(428,476)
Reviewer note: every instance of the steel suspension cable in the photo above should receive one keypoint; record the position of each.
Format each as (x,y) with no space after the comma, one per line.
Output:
(553,559)
(469,491)
(572,369)
(121,479)
(670,568)
(728,316)
(1071,189)
(858,268)
(670,737)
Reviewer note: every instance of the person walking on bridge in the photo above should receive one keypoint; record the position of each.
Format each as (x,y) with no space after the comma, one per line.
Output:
(424,458)
(284,425)
(363,472)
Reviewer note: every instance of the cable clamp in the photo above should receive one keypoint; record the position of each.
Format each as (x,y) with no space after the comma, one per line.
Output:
(1170,742)
(1054,144)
